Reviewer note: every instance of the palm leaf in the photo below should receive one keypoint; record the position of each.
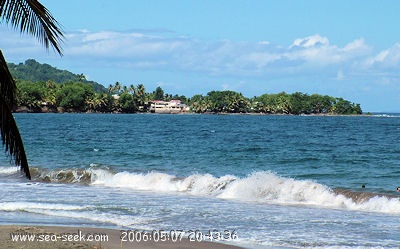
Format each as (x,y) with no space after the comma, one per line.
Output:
(10,135)
(30,16)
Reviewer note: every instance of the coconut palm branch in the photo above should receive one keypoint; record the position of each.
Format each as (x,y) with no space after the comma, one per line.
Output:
(30,16)
(27,16)
(10,135)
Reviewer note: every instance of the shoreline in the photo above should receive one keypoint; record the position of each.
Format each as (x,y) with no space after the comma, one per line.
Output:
(65,237)
(367,114)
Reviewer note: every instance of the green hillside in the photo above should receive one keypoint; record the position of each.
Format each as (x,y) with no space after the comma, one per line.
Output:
(33,71)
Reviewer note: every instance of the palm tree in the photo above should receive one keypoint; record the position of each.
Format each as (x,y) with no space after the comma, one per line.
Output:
(131,89)
(27,16)
(111,89)
(141,95)
(81,77)
(118,87)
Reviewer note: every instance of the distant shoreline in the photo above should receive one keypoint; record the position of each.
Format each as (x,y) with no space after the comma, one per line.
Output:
(24,109)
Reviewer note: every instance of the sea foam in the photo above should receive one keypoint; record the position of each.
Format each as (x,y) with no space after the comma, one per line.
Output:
(73,211)
(8,170)
(258,187)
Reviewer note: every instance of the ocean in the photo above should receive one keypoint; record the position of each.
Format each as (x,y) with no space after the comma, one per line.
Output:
(271,181)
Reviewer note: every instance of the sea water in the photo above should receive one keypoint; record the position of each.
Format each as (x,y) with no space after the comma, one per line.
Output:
(276,181)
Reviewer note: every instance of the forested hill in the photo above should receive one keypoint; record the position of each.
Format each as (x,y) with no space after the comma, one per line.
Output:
(33,71)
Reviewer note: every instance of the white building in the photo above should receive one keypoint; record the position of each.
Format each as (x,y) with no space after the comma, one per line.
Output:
(173,106)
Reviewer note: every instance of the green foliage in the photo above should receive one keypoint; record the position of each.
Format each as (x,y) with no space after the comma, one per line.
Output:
(78,95)
(100,102)
(140,97)
(33,71)
(158,94)
(226,101)
(31,94)
(320,104)
(342,106)
(281,103)
(127,102)
(198,103)
(74,95)
(33,18)
(301,103)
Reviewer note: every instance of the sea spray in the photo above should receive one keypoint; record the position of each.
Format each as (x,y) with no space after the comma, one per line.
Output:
(258,187)
(8,170)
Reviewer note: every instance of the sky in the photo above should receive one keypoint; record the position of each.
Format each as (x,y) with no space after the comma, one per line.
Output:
(341,48)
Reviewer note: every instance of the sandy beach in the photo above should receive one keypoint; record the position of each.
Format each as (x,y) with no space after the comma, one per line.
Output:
(52,237)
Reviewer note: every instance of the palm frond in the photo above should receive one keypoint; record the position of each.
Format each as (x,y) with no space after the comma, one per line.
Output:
(11,138)
(30,16)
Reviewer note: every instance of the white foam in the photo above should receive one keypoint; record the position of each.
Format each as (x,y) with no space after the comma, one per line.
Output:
(260,187)
(384,115)
(31,206)
(8,170)
(72,211)
(154,181)
(120,220)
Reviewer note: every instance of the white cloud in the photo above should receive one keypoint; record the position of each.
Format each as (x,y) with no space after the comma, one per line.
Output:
(310,64)
(216,58)
(316,51)
(119,45)
(138,50)
(389,58)
(356,45)
(310,41)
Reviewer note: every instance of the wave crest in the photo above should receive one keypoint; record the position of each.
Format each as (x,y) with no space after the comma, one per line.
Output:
(258,187)
(82,176)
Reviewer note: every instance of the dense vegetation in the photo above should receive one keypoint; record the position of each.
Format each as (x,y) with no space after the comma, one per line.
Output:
(281,103)
(59,90)
(33,71)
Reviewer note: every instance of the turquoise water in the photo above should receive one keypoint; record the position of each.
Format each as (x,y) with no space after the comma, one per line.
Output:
(279,181)
(336,151)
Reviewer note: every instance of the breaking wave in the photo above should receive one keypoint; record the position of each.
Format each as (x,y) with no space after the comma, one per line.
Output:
(362,196)
(8,170)
(387,115)
(258,187)
(82,176)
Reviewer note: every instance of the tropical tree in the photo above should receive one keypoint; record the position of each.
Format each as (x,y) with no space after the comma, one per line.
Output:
(50,98)
(111,89)
(118,88)
(27,16)
(197,103)
(31,95)
(158,93)
(75,95)
(127,103)
(81,77)
(236,103)
(99,102)
(320,104)
(300,103)
(140,94)
(131,89)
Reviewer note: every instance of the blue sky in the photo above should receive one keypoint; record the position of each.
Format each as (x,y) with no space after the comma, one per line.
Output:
(347,49)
